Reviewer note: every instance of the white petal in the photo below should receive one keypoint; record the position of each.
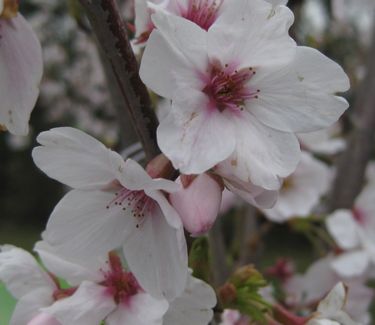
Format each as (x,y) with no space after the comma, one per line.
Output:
(82,227)
(308,183)
(334,301)
(251,193)
(192,138)
(194,306)
(300,97)
(89,305)
(314,284)
(21,273)
(176,51)
(351,264)
(167,209)
(262,155)
(30,304)
(73,272)
(142,309)
(156,253)
(343,228)
(136,178)
(21,69)
(252,33)
(76,159)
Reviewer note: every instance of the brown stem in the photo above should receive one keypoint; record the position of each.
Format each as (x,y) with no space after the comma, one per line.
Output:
(111,34)
(353,162)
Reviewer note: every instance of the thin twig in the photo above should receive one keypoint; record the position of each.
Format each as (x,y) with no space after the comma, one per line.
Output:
(352,164)
(111,34)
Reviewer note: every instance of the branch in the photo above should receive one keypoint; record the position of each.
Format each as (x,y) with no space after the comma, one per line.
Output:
(352,164)
(111,34)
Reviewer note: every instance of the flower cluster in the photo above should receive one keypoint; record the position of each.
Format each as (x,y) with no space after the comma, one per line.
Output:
(239,96)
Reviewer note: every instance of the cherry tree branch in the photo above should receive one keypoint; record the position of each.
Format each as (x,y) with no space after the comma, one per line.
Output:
(352,164)
(111,34)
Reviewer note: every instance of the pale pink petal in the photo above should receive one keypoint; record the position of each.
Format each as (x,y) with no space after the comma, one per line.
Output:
(72,270)
(173,52)
(21,69)
(186,136)
(21,273)
(334,301)
(44,319)
(198,204)
(89,305)
(252,33)
(156,253)
(194,306)
(307,184)
(343,228)
(30,304)
(251,193)
(76,159)
(142,309)
(81,226)
(351,264)
(263,155)
(169,212)
(134,177)
(300,97)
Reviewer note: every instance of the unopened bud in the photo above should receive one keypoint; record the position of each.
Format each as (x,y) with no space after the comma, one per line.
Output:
(8,8)
(198,204)
(227,294)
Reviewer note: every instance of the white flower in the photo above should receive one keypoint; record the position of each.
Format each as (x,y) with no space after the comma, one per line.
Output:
(194,306)
(330,310)
(113,204)
(304,290)
(239,97)
(27,282)
(204,13)
(301,191)
(21,70)
(105,292)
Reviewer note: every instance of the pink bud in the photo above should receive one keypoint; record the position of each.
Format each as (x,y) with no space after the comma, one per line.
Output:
(198,204)
(44,319)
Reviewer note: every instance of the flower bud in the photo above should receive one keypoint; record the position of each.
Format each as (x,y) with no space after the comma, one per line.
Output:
(198,204)
(43,319)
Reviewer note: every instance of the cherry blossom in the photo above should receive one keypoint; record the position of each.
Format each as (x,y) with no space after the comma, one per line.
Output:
(241,89)
(354,231)
(305,290)
(194,306)
(204,13)
(114,203)
(110,293)
(21,69)
(198,203)
(301,191)
(330,310)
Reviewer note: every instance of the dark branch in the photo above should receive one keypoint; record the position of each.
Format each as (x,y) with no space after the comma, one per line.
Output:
(111,34)
(352,164)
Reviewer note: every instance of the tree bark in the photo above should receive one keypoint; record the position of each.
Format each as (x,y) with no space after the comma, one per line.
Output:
(111,34)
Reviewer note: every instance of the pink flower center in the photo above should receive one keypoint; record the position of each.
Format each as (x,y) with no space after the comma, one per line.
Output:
(136,202)
(202,12)
(227,88)
(120,284)
(359,216)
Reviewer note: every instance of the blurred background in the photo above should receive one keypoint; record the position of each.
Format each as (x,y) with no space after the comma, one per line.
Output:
(75,92)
